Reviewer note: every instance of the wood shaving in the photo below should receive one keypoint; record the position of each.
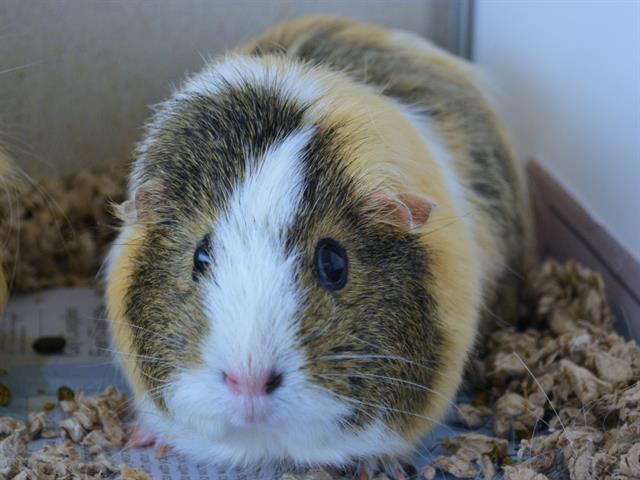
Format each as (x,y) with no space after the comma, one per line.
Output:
(429,472)
(13,447)
(471,454)
(472,446)
(522,473)
(35,424)
(312,475)
(55,232)
(572,289)
(128,473)
(515,412)
(456,466)
(472,416)
(584,384)
(630,462)
(487,467)
(94,421)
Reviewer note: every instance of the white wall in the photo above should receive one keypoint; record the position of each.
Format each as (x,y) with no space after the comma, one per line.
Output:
(92,67)
(568,73)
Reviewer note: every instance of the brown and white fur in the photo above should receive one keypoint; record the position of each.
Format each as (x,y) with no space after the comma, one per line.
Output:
(321,128)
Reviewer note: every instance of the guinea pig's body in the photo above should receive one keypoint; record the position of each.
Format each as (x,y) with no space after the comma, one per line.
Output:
(317,227)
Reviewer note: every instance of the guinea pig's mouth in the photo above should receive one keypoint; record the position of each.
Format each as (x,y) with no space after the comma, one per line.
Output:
(196,400)
(252,413)
(206,401)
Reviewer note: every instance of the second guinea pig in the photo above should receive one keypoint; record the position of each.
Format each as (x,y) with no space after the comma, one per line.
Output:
(319,226)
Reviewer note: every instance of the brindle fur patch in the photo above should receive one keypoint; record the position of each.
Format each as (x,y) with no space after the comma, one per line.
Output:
(451,99)
(368,318)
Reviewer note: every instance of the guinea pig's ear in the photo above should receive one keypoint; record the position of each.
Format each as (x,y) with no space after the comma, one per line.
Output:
(142,203)
(406,211)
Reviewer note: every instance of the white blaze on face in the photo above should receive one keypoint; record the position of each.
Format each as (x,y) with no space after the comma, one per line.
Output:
(251,297)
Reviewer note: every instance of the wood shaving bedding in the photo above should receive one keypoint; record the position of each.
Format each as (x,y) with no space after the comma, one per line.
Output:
(569,388)
(55,232)
(96,422)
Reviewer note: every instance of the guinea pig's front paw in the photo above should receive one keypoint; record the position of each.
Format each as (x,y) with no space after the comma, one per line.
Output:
(383,470)
(141,437)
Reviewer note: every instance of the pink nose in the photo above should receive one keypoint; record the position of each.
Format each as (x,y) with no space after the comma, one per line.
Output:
(253,384)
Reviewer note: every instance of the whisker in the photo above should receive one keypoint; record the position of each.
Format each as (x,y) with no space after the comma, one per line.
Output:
(395,410)
(151,377)
(395,380)
(392,356)
(345,421)
(151,393)
(171,341)
(146,358)
(341,356)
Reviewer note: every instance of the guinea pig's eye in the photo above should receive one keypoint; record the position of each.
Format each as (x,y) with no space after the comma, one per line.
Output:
(202,258)
(331,264)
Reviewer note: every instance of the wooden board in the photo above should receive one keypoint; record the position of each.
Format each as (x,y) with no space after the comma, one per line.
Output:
(564,229)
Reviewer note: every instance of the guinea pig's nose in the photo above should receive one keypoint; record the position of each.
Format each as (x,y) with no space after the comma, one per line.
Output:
(253,384)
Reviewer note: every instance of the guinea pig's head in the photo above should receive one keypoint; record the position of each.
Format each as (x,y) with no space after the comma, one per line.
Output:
(270,290)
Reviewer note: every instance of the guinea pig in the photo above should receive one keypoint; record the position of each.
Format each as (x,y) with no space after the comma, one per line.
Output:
(319,226)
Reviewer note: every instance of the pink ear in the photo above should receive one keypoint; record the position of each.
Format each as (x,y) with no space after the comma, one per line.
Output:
(143,200)
(404,210)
